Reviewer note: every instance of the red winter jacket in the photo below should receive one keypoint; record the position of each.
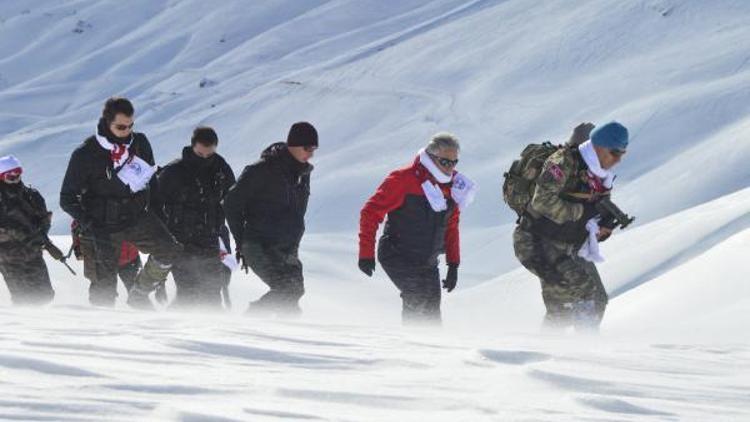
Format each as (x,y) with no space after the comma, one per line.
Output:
(414,231)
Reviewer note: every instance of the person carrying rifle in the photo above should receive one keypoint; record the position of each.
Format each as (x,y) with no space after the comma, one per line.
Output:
(24,224)
(569,213)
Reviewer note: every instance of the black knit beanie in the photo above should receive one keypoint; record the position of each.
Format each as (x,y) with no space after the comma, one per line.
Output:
(302,134)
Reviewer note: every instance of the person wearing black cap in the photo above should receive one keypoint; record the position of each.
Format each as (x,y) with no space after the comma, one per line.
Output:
(108,189)
(191,189)
(266,209)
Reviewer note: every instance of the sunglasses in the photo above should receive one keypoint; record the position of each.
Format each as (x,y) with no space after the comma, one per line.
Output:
(445,162)
(123,127)
(310,149)
(617,152)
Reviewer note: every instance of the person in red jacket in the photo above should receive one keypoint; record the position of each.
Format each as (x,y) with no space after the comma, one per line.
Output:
(423,203)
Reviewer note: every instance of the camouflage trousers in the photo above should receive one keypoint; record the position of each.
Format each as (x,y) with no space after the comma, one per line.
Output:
(27,280)
(279,267)
(571,287)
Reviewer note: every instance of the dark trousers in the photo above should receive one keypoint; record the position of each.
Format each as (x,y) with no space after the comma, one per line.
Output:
(420,292)
(127,272)
(27,280)
(279,267)
(419,284)
(149,235)
(199,276)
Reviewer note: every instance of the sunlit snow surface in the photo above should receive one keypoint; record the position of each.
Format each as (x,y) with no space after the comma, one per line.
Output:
(377,79)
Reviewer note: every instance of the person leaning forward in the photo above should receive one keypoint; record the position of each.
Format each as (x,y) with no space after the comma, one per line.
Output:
(266,210)
(24,225)
(107,189)
(557,237)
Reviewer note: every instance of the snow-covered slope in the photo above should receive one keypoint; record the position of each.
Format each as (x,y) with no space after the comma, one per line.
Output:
(694,264)
(377,79)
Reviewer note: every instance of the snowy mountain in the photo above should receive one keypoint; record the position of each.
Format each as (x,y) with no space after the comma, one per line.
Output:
(377,79)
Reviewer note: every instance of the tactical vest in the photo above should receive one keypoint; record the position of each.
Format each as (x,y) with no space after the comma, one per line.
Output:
(197,214)
(24,209)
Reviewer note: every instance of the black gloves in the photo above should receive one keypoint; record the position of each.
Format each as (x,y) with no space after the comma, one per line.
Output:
(367,265)
(241,260)
(451,278)
(581,134)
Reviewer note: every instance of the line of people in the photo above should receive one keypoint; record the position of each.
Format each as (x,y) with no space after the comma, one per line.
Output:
(123,204)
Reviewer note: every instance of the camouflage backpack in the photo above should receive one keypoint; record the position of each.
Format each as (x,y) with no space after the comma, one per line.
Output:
(520,179)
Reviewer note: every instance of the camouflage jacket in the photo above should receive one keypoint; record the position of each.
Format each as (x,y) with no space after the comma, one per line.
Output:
(24,219)
(563,199)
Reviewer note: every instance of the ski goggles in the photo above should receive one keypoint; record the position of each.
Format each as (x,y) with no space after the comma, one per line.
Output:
(12,175)
(445,162)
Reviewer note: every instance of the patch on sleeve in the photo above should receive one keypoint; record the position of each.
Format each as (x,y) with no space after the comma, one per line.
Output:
(554,172)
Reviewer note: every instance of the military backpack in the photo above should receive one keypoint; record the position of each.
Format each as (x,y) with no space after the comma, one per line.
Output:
(520,179)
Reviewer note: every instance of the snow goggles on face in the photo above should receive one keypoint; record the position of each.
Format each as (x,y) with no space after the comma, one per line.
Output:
(445,162)
(11,176)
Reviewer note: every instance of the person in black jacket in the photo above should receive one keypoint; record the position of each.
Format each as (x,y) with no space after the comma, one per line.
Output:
(107,188)
(192,188)
(266,214)
(24,224)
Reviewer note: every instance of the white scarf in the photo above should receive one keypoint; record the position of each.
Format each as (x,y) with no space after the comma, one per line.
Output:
(592,161)
(226,258)
(427,162)
(590,249)
(117,152)
(463,190)
(132,171)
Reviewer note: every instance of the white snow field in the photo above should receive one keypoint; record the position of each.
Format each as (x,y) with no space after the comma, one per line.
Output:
(377,78)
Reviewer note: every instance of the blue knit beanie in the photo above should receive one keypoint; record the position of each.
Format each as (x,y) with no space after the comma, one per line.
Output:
(611,136)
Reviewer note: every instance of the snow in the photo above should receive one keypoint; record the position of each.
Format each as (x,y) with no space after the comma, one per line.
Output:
(185,367)
(377,79)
